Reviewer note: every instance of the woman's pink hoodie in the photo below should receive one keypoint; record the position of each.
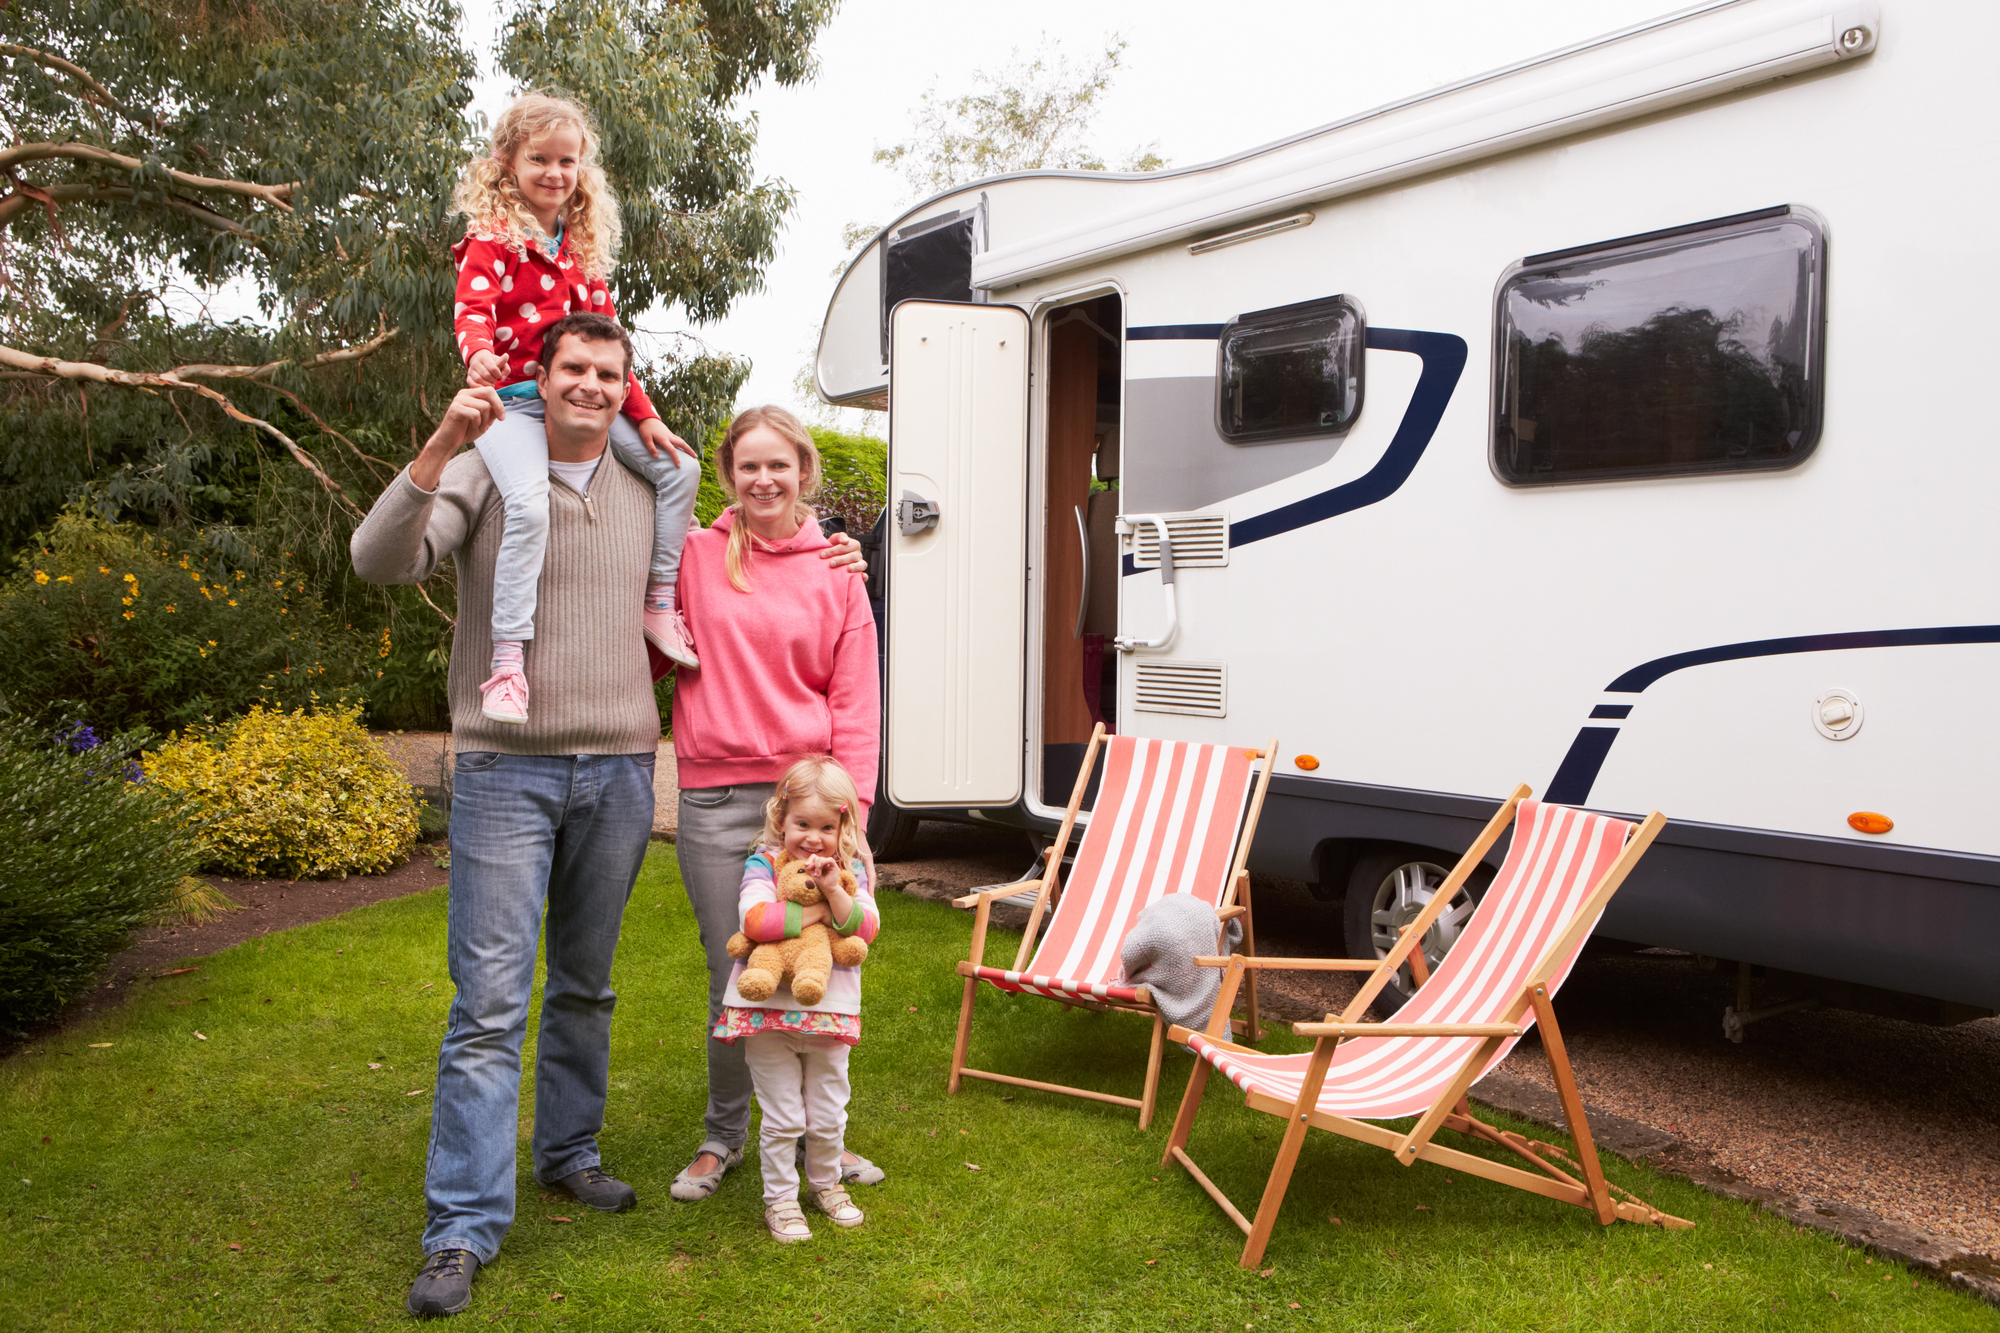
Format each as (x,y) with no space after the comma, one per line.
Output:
(787,669)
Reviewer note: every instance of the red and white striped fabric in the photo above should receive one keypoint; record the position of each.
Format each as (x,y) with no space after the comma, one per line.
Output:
(1557,857)
(1166,821)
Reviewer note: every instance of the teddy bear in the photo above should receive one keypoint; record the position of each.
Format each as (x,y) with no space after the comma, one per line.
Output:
(807,960)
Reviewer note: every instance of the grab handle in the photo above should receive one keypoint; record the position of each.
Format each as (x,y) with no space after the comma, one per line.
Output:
(1128,524)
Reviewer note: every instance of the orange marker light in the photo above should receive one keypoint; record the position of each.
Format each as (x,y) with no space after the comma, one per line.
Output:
(1867,821)
(1307,762)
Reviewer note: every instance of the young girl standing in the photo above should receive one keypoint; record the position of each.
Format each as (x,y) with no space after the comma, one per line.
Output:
(788,669)
(797,1053)
(542,231)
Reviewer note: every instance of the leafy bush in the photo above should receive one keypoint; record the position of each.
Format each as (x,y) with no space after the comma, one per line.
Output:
(86,856)
(105,619)
(305,793)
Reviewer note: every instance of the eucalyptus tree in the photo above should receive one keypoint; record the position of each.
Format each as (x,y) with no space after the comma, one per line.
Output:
(304,151)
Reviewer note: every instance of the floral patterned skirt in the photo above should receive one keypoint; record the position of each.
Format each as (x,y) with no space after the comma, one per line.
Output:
(736,1023)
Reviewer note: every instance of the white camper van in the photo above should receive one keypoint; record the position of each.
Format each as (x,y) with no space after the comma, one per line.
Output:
(1611,422)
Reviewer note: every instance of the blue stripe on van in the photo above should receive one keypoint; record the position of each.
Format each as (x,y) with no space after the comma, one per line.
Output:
(1577,773)
(1174,333)
(1443,356)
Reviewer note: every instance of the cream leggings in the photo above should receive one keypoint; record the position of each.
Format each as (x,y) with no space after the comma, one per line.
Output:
(801,1082)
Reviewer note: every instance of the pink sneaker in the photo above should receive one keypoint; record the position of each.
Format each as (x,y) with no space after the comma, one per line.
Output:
(669,633)
(506,698)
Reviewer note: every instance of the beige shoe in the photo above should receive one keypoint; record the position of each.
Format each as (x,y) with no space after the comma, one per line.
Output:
(839,1209)
(787,1223)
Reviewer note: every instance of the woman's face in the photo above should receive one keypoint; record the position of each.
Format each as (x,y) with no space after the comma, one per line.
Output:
(811,830)
(765,475)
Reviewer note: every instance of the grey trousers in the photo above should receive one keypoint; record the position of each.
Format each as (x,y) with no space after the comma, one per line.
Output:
(718,827)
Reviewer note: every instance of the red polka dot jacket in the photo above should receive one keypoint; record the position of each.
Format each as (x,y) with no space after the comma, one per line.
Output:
(510,291)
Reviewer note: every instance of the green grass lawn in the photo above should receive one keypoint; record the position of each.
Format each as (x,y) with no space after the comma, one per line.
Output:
(270,1177)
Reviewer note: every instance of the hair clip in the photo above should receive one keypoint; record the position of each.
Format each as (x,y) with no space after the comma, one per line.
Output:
(843,807)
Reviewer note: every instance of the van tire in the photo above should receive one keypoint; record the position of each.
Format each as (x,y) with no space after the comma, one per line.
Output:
(891,830)
(1382,883)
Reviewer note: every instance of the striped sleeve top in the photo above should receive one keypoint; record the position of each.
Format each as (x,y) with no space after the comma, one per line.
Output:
(766,920)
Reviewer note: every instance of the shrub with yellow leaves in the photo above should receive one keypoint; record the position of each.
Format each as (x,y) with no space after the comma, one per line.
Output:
(306,793)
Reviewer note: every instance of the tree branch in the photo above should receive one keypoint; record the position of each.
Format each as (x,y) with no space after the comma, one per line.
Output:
(93,90)
(275,195)
(339,354)
(91,371)
(13,204)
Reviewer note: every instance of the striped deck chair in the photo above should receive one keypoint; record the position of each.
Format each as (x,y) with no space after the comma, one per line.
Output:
(1170,817)
(1494,985)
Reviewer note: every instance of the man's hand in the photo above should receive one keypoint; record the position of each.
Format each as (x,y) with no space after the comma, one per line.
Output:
(471,414)
(485,369)
(845,553)
(653,433)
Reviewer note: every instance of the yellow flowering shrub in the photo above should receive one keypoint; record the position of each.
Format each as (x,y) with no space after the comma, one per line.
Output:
(109,623)
(305,793)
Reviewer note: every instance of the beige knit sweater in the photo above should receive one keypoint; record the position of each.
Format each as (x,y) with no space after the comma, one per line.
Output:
(590,690)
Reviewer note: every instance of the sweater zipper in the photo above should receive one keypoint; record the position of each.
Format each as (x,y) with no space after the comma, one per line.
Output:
(589,508)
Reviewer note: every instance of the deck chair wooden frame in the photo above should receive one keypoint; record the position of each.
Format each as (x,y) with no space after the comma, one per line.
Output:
(1528,1006)
(1049,896)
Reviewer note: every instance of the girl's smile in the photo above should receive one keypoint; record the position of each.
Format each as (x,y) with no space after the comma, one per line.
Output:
(545,171)
(811,830)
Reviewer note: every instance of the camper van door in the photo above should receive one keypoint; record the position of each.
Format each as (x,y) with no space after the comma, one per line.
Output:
(957,601)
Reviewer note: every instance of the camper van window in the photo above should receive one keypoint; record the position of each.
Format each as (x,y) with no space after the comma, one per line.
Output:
(1683,352)
(1290,372)
(928,261)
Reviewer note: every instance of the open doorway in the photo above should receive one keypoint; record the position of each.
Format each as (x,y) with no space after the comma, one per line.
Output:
(1080,564)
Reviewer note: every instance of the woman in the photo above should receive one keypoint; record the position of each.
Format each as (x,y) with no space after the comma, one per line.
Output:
(788,669)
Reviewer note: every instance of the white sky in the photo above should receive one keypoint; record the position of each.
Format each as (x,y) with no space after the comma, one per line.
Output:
(1203,80)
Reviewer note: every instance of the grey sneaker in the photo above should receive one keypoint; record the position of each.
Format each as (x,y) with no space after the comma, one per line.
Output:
(444,1285)
(691,1188)
(594,1187)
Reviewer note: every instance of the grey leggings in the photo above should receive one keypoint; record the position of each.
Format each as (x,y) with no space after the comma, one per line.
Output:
(516,453)
(718,825)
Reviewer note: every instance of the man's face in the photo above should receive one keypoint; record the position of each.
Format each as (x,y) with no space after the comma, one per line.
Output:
(584,386)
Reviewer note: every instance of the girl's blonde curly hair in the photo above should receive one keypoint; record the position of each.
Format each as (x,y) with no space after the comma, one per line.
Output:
(818,779)
(491,202)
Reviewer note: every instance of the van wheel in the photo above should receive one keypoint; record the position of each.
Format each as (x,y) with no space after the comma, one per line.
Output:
(890,830)
(1386,891)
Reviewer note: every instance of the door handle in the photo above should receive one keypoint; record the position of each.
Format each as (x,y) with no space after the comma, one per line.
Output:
(914,514)
(1083,594)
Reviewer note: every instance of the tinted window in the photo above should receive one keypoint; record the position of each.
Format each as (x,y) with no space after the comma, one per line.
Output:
(1293,371)
(928,261)
(1682,352)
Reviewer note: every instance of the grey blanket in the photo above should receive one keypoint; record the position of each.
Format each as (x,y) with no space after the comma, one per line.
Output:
(1159,954)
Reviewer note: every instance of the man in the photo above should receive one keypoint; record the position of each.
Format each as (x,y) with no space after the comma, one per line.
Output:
(550,820)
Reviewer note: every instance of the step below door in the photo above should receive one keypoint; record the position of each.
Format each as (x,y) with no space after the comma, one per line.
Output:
(957,553)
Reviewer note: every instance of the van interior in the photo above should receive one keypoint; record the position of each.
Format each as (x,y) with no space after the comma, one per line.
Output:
(1085,372)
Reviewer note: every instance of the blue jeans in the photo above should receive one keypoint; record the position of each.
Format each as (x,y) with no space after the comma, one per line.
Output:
(537,841)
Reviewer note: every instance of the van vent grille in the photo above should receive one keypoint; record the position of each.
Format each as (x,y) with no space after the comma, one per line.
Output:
(1201,541)
(1166,686)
